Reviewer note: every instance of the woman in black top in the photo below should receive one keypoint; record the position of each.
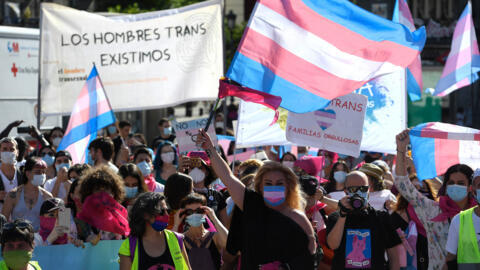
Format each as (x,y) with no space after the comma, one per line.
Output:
(275,229)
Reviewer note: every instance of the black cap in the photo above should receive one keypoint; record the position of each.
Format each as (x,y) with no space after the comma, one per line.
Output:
(50,205)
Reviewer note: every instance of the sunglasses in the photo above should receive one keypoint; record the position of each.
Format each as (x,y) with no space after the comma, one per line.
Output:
(354,189)
(20,225)
(189,212)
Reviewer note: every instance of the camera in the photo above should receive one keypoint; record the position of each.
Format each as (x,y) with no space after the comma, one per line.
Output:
(357,202)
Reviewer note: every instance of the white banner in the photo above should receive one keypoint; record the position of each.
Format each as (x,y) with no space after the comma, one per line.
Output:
(187,132)
(386,112)
(146,61)
(254,127)
(337,128)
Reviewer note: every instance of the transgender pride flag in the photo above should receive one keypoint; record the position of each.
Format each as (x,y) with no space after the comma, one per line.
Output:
(401,14)
(91,112)
(437,146)
(309,52)
(463,62)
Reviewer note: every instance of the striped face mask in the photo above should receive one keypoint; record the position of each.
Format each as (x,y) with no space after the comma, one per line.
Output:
(274,195)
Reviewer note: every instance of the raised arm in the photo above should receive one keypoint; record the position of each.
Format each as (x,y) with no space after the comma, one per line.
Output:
(221,168)
(402,141)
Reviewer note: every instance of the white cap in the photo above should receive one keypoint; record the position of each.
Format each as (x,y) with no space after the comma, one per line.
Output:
(476,173)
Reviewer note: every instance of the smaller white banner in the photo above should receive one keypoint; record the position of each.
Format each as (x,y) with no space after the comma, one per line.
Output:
(254,126)
(336,128)
(187,134)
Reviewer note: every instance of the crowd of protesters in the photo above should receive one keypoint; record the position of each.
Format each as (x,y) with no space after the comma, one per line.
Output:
(198,211)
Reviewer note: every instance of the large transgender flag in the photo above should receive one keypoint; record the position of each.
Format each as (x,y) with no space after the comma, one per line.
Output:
(401,14)
(311,51)
(463,62)
(437,146)
(91,112)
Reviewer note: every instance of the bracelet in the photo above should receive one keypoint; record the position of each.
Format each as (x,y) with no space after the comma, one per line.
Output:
(342,214)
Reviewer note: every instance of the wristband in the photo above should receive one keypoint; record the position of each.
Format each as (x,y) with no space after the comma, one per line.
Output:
(342,215)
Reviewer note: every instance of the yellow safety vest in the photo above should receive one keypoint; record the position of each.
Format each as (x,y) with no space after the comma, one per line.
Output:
(468,255)
(173,247)
(3,265)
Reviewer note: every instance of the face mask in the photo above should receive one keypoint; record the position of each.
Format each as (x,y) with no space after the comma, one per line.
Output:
(38,179)
(112,129)
(17,259)
(195,220)
(56,141)
(456,192)
(145,168)
(47,223)
(131,192)
(197,175)
(8,157)
(168,157)
(219,125)
(340,176)
(48,159)
(288,164)
(167,131)
(62,165)
(274,195)
(160,223)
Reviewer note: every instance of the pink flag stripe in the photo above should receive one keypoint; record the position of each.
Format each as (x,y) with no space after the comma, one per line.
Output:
(276,193)
(325,124)
(457,61)
(325,114)
(416,69)
(463,25)
(446,154)
(320,82)
(349,41)
(82,116)
(458,85)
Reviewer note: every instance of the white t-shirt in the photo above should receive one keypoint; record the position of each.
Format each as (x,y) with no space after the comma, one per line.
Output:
(62,193)
(337,195)
(452,240)
(377,199)
(159,187)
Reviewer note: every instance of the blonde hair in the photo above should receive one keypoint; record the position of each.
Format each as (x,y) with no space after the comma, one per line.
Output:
(293,196)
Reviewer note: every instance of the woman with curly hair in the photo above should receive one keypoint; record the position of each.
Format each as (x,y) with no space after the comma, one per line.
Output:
(104,182)
(272,210)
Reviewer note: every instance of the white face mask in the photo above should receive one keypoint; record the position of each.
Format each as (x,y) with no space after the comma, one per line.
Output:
(56,141)
(340,176)
(168,157)
(288,164)
(8,157)
(38,179)
(197,175)
(219,125)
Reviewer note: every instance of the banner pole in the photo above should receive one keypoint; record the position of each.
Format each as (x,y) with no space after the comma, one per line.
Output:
(212,112)
(39,94)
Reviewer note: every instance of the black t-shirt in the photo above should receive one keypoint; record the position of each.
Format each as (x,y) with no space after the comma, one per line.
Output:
(153,263)
(366,237)
(422,243)
(269,236)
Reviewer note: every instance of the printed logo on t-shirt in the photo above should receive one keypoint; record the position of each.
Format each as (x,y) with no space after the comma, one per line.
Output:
(358,249)
(161,267)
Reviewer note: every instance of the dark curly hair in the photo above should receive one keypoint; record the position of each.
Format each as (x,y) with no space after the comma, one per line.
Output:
(132,170)
(101,178)
(461,168)
(79,169)
(177,187)
(147,204)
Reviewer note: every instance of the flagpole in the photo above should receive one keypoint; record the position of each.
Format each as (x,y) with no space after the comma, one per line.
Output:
(472,94)
(39,94)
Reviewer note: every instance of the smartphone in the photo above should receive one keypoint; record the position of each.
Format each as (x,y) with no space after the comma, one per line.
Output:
(196,162)
(64,215)
(23,130)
